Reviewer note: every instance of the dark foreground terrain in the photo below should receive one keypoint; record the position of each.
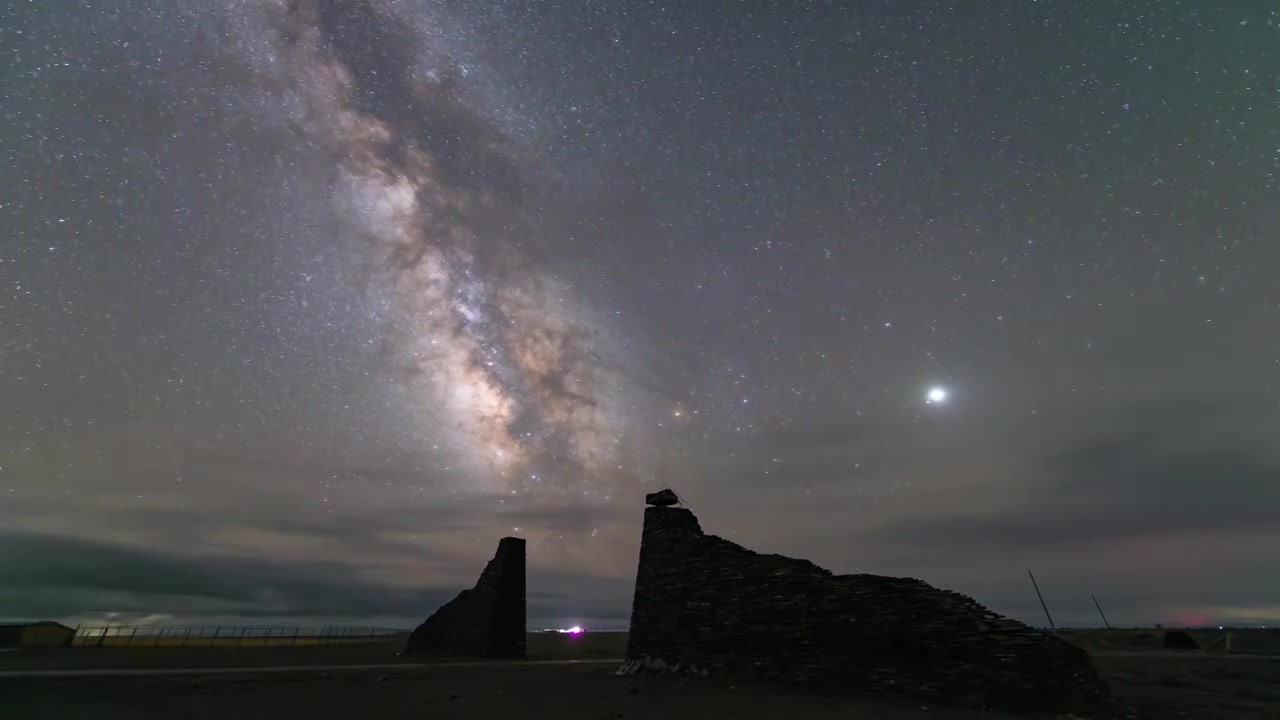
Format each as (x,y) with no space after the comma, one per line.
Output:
(575,692)
(566,677)
(540,646)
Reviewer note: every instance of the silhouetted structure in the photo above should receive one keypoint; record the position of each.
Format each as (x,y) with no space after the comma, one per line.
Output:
(708,605)
(1179,640)
(486,621)
(662,498)
(39,633)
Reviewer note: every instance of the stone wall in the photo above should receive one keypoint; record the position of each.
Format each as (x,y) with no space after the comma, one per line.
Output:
(486,621)
(706,604)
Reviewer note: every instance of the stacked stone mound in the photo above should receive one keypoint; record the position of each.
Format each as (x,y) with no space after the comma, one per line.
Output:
(486,621)
(707,604)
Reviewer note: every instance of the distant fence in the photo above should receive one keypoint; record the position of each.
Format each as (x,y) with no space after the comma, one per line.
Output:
(226,635)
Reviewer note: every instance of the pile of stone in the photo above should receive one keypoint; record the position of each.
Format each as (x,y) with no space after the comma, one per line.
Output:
(707,603)
(486,621)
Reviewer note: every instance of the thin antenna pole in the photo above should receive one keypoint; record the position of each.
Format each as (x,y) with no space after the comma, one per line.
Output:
(1042,605)
(1104,615)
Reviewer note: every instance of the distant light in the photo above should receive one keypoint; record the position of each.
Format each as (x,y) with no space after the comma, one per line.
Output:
(575,630)
(936,395)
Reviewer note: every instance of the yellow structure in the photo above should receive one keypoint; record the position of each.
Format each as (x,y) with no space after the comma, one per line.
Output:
(42,633)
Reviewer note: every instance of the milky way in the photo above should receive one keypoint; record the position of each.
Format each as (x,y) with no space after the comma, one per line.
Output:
(482,333)
(351,288)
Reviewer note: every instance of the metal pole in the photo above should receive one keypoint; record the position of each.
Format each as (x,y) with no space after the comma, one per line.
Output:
(1042,605)
(213,639)
(185,635)
(295,636)
(1104,615)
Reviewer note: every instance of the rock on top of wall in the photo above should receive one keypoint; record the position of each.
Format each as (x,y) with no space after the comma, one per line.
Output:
(703,601)
(486,621)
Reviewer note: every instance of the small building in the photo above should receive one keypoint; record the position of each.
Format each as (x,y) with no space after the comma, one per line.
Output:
(40,633)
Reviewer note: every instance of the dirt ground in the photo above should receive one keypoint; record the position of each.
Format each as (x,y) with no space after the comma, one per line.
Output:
(540,646)
(575,692)
(1162,686)
(1244,641)
(1194,686)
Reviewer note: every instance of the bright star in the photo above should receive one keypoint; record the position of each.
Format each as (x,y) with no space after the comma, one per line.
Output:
(936,395)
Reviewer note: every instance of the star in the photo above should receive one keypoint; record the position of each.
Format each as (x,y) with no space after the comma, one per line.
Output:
(936,395)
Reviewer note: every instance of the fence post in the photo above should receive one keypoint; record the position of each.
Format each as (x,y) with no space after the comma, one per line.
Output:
(213,639)
(240,637)
(185,636)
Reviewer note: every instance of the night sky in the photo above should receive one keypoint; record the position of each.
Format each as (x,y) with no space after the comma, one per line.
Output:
(305,303)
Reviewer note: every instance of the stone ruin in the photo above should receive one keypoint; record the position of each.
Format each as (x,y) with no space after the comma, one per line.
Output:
(1179,640)
(486,621)
(707,605)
